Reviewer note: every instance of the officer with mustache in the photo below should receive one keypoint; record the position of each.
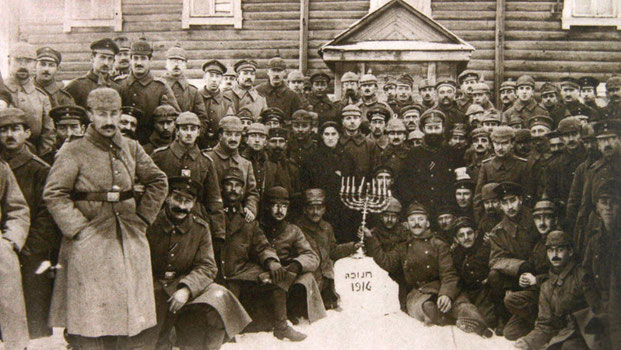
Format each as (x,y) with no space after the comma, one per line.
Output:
(428,93)
(318,98)
(396,153)
(467,79)
(540,156)
(276,92)
(403,94)
(244,94)
(492,214)
(445,90)
(511,242)
(48,63)
(121,59)
(349,91)
(507,94)
(129,121)
(570,97)
(479,150)
(525,106)
(70,122)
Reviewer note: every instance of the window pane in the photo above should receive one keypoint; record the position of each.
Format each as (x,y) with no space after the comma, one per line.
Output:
(224,7)
(604,8)
(582,8)
(92,9)
(202,7)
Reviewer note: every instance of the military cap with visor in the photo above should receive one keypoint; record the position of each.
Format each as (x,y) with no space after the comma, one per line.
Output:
(351,110)
(321,76)
(177,52)
(558,238)
(257,128)
(69,114)
(245,113)
(416,208)
(272,113)
(525,80)
(508,189)
(569,82)
(378,112)
(508,85)
(230,123)
(133,111)
(185,186)
(446,82)
(277,132)
(46,53)
(394,206)
(479,132)
(426,83)
(277,63)
(463,222)
(502,132)
(105,45)
(480,87)
(245,64)
(588,82)
(432,116)
(548,88)
(540,119)
(122,42)
(301,115)
(141,47)
(314,196)
(188,118)
(405,79)
(368,79)
(214,66)
(409,109)
(277,194)
(568,125)
(349,76)
(474,108)
(468,74)
(166,112)
(234,173)
(13,116)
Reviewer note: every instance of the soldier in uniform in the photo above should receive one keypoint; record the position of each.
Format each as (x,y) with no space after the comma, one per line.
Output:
(492,213)
(588,92)
(272,118)
(445,217)
(523,143)
(410,115)
(143,91)
(550,100)
(183,158)
(466,80)
(368,94)
(48,63)
(129,121)
(89,192)
(474,116)
(186,94)
(276,92)
(404,94)
(121,59)
(15,224)
(29,98)
(281,170)
(361,149)
(349,91)
(320,235)
(163,133)
(216,102)
(491,120)
(427,91)
(433,293)
(480,150)
(540,155)
(201,312)
(256,153)
(243,94)
(502,167)
(70,122)
(570,96)
(319,99)
(562,296)
(229,79)
(457,140)
(445,89)
(390,89)
(464,193)
(512,242)
(43,238)
(415,139)
(481,95)
(378,116)
(295,82)
(613,92)
(525,106)
(301,143)
(103,52)
(396,153)
(226,155)
(507,94)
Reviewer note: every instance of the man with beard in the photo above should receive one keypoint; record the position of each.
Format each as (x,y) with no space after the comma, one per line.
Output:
(525,106)
(319,99)
(561,171)
(48,63)
(480,150)
(396,153)
(432,282)
(601,260)
(475,115)
(143,91)
(457,140)
(403,94)
(362,149)
(276,93)
(410,115)
(466,79)
(129,121)
(570,96)
(445,219)
(297,257)
(563,296)
(200,312)
(471,260)
(613,92)
(216,102)
(183,158)
(43,238)
(378,116)
(481,95)
(523,142)
(540,156)
(320,236)
(70,122)
(349,91)
(368,94)
(502,167)
(226,155)
(427,175)
(507,94)
(427,91)
(608,134)
(588,92)
(121,59)
(163,133)
(243,94)
(464,193)
(492,214)
(29,98)
(280,170)
(574,199)
(445,89)
(556,144)
(301,143)
(186,94)
(550,100)
(522,303)
(103,52)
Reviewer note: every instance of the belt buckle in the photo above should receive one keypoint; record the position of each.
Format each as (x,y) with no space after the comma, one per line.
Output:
(168,275)
(113,196)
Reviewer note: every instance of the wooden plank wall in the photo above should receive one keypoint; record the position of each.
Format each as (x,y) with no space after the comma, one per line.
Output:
(535,43)
(268,25)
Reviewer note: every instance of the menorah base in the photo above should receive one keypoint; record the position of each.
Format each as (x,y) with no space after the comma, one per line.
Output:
(359,254)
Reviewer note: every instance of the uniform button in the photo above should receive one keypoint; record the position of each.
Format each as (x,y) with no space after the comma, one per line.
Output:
(116,213)
(597,276)
(409,245)
(426,252)
(428,267)
(172,254)
(472,273)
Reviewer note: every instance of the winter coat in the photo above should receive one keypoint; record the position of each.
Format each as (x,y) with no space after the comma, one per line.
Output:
(188,98)
(79,88)
(56,92)
(512,242)
(105,287)
(282,98)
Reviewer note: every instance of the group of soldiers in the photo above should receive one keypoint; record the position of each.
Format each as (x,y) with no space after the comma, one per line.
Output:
(143,212)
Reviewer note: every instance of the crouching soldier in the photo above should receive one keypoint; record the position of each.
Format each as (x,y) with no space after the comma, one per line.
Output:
(434,295)
(245,254)
(187,300)
(320,236)
(562,301)
(295,254)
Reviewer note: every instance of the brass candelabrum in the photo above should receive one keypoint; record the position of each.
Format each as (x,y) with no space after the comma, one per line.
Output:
(366,197)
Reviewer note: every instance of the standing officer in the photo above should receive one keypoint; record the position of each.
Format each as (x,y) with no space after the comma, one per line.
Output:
(466,80)
(319,99)
(507,94)
(121,59)
(276,92)
(349,91)
(27,97)
(570,94)
(89,194)
(368,93)
(183,158)
(525,106)
(70,122)
(428,93)
(141,90)
(163,134)
(445,90)
(186,94)
(103,52)
(43,239)
(481,95)
(243,94)
(301,143)
(613,92)
(216,102)
(48,63)
(588,92)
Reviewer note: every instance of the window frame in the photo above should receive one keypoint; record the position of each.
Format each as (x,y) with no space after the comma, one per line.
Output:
(69,23)
(187,19)
(570,20)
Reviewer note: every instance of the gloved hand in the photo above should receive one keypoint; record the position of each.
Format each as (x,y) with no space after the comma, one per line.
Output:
(294,267)
(277,272)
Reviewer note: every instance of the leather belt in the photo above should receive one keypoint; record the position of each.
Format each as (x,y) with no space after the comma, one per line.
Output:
(102,196)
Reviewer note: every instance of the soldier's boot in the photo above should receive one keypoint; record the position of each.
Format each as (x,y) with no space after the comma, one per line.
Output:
(470,320)
(281,329)
(473,326)
(433,314)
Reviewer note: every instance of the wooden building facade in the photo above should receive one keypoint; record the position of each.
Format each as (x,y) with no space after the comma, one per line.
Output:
(545,38)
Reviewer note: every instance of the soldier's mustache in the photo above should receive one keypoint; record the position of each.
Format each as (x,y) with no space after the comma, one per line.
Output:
(22,70)
(556,259)
(10,139)
(180,210)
